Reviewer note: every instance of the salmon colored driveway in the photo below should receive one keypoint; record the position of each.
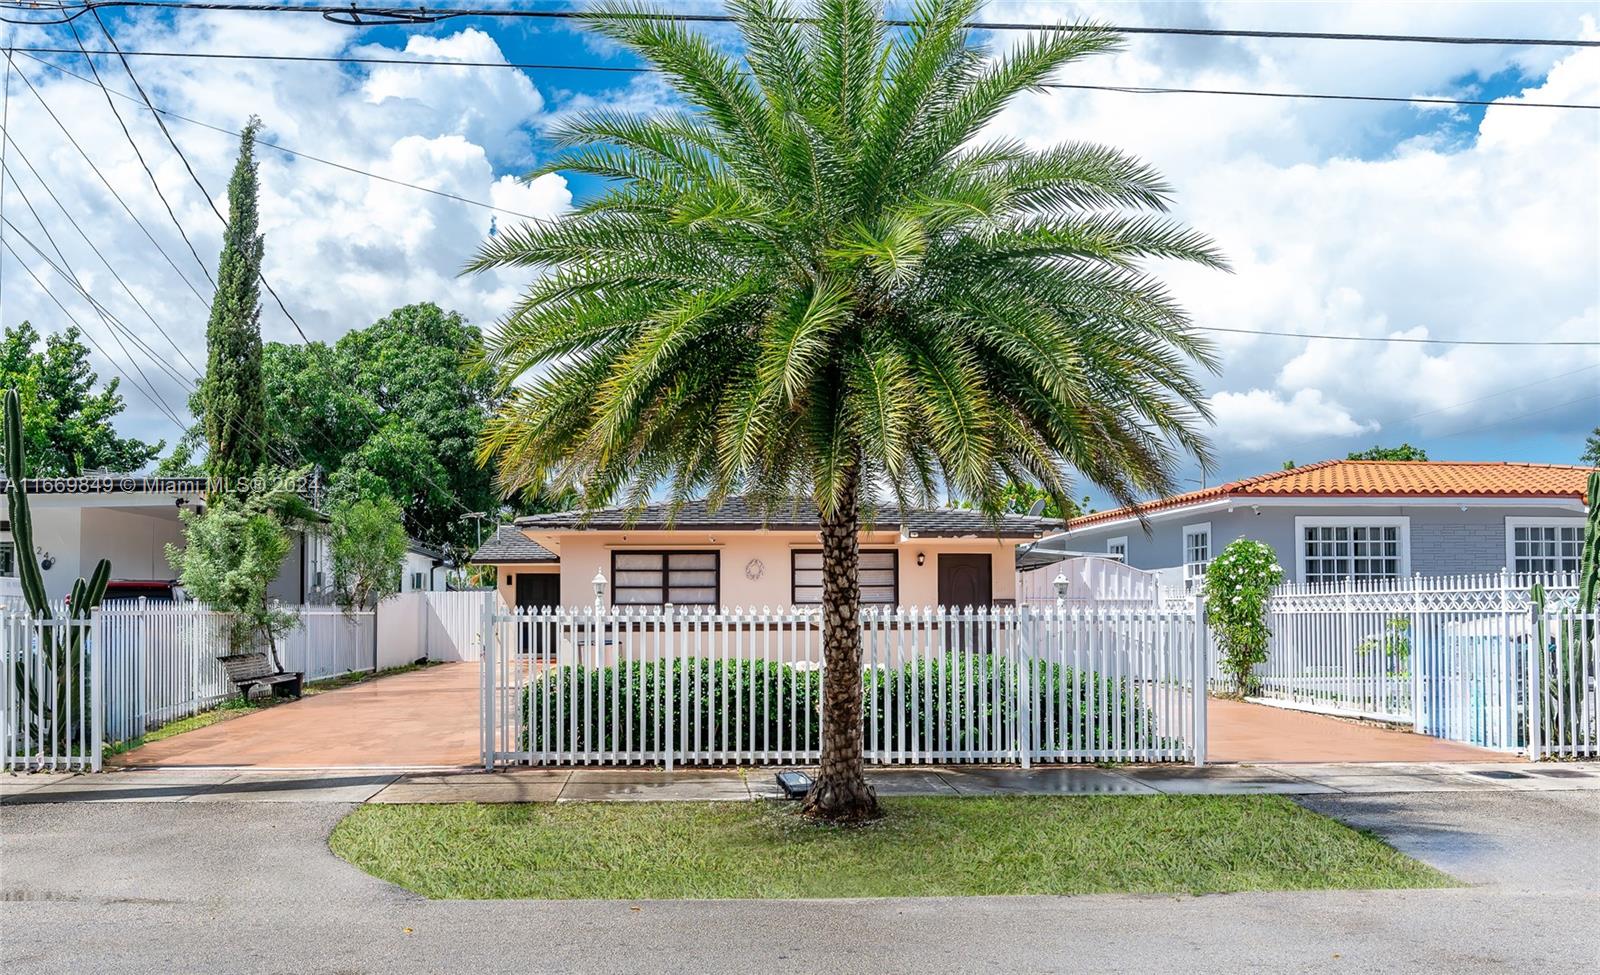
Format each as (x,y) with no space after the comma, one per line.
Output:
(1242,732)
(430,717)
(424,717)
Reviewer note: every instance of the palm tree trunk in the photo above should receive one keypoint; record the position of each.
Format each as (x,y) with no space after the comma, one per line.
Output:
(841,792)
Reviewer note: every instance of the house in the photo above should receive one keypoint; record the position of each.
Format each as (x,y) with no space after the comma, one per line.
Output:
(130,520)
(731,556)
(1350,519)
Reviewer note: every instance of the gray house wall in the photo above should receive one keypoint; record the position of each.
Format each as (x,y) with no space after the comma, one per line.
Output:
(1444,539)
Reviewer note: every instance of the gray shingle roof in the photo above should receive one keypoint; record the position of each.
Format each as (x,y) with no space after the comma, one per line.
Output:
(738,514)
(508,544)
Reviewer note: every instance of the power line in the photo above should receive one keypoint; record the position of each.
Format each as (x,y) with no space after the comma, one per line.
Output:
(353,15)
(43,103)
(1394,338)
(619,69)
(285,149)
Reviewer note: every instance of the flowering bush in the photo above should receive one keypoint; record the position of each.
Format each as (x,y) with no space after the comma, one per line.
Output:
(1237,585)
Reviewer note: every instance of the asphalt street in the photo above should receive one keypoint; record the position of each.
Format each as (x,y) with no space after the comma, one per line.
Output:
(131,887)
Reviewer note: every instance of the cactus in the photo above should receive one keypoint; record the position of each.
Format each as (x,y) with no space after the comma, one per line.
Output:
(86,595)
(1589,562)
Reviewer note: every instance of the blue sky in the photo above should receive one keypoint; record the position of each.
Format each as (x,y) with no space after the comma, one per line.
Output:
(1340,218)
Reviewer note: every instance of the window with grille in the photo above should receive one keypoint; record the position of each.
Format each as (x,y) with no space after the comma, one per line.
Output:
(1332,552)
(1196,552)
(658,578)
(8,559)
(1118,547)
(1545,546)
(879,577)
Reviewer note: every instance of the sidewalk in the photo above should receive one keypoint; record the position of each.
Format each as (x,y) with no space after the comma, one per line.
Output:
(654,785)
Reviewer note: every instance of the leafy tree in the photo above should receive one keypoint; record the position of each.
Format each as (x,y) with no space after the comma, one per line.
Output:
(820,279)
(233,405)
(1237,585)
(390,410)
(1591,449)
(1019,497)
(1403,452)
(230,556)
(181,462)
(67,425)
(369,551)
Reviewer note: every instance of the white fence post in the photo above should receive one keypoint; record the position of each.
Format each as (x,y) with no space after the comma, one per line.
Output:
(670,739)
(1023,621)
(1535,683)
(1201,676)
(1419,722)
(487,677)
(97,659)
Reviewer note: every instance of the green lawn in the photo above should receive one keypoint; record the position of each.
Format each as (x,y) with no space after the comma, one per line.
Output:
(925,847)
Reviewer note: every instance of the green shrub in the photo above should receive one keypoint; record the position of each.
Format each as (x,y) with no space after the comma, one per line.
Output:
(951,702)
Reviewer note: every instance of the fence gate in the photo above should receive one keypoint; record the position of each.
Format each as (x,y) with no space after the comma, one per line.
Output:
(1012,685)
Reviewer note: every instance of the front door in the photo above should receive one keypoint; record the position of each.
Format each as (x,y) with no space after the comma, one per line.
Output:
(536,590)
(965,579)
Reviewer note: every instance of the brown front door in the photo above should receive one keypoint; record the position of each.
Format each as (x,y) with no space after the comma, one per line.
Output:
(965,579)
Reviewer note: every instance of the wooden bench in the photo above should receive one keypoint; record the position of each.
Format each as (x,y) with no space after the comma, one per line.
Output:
(248,670)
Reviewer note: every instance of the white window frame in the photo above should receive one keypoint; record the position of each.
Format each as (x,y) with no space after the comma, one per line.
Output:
(1302,522)
(1119,541)
(1193,572)
(1513,523)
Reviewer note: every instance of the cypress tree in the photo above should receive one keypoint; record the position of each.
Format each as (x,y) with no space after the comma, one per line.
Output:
(233,396)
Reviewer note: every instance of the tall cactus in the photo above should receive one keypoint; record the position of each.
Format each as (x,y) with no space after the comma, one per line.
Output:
(86,595)
(1589,562)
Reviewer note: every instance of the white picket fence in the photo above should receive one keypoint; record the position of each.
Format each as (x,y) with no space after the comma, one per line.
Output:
(630,686)
(50,705)
(161,659)
(1447,655)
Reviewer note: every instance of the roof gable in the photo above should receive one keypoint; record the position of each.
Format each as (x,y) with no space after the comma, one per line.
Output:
(509,544)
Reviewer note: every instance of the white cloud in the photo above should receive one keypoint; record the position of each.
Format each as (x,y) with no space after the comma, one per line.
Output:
(1261,419)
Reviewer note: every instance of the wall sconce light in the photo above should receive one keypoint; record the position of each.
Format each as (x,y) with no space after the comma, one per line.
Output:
(921,558)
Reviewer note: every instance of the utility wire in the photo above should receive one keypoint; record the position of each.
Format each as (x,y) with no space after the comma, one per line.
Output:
(286,150)
(147,171)
(1395,338)
(106,182)
(6,123)
(352,15)
(619,69)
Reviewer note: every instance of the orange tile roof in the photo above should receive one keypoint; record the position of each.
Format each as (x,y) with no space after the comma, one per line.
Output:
(1381,479)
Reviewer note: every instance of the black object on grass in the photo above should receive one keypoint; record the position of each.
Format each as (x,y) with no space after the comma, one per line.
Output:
(794,784)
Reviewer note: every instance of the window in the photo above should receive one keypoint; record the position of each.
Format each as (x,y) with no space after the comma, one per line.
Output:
(1196,552)
(8,559)
(879,577)
(416,581)
(1118,547)
(1335,549)
(657,578)
(1543,546)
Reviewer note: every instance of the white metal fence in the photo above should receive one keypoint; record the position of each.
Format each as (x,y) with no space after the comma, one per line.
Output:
(444,626)
(742,686)
(1447,655)
(50,705)
(1563,702)
(161,659)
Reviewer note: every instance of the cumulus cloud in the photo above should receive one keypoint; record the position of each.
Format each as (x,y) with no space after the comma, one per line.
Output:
(1261,419)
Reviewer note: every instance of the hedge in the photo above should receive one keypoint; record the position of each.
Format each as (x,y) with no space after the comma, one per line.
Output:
(908,696)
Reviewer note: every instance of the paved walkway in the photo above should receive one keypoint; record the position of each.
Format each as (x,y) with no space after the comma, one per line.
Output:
(430,718)
(1237,731)
(653,785)
(425,717)
(127,889)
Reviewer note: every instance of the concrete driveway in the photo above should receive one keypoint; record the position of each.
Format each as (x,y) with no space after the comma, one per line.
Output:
(251,887)
(425,717)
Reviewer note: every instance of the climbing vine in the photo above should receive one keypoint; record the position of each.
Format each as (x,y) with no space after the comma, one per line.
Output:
(1238,583)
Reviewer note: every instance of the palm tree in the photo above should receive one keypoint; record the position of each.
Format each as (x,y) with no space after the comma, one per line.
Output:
(816,279)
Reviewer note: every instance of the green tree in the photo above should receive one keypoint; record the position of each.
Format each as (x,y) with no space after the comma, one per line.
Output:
(369,550)
(231,397)
(68,425)
(231,554)
(1403,452)
(820,279)
(391,410)
(1591,449)
(1020,497)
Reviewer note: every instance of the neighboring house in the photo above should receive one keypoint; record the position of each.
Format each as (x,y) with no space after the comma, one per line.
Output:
(693,556)
(1347,519)
(130,520)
